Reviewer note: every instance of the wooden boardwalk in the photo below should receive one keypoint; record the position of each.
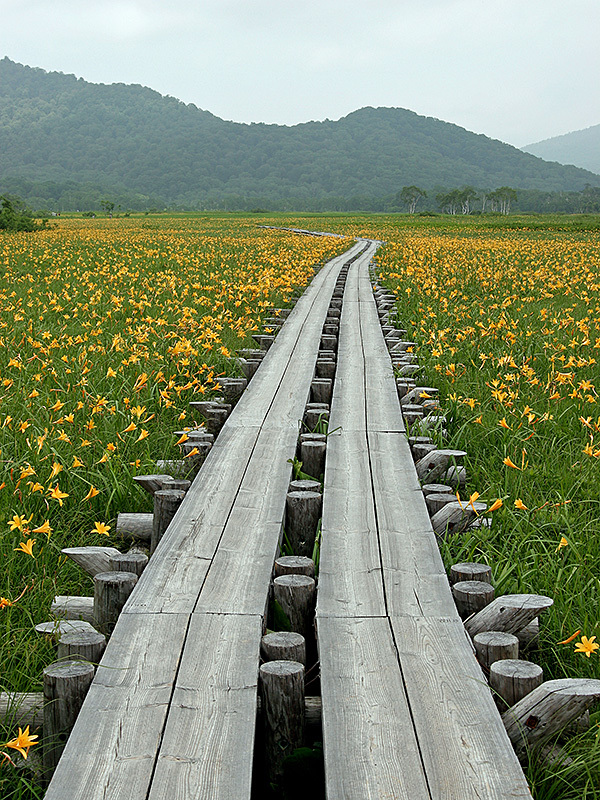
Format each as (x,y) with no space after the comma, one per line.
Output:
(171,712)
(406,710)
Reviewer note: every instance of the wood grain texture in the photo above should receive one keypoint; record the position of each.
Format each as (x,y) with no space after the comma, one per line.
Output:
(466,752)
(208,743)
(371,750)
(112,749)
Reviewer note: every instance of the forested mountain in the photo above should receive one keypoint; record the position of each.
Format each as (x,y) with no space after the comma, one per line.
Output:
(581,148)
(62,135)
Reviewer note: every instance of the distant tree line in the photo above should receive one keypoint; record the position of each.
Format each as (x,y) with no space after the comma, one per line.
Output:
(55,197)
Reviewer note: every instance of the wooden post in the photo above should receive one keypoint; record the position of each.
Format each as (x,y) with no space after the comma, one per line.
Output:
(91,559)
(312,456)
(512,679)
(413,440)
(111,590)
(328,342)
(83,645)
(57,627)
(195,454)
(304,485)
(419,451)
(456,476)
(412,414)
(435,502)
(65,687)
(312,437)
(216,417)
(302,514)
(321,390)
(233,388)
(152,483)
(492,646)
(471,596)
(73,607)
(313,417)
(20,709)
(436,488)
(415,394)
(166,503)
(454,517)
(264,341)
(129,562)
(435,464)
(328,355)
(296,595)
(509,613)
(282,699)
(283,646)
(547,710)
(529,636)
(402,387)
(248,367)
(294,565)
(470,571)
(325,368)
(135,526)
(177,483)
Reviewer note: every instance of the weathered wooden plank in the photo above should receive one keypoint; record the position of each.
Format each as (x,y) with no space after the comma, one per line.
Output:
(413,572)
(348,405)
(111,752)
(238,578)
(305,322)
(371,751)
(462,740)
(350,575)
(208,743)
(383,409)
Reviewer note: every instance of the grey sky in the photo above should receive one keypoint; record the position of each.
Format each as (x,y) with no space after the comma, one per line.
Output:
(516,70)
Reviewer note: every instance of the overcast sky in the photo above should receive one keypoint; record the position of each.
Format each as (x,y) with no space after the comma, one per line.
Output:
(516,70)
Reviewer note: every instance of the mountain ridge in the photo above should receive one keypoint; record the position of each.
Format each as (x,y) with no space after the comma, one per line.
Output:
(57,128)
(580,148)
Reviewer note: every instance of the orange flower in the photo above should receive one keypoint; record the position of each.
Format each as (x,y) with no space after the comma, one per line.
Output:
(56,494)
(495,505)
(92,493)
(26,547)
(587,646)
(101,527)
(44,528)
(509,463)
(23,742)
(520,505)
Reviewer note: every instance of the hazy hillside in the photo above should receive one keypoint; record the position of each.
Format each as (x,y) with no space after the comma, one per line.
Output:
(56,129)
(581,148)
